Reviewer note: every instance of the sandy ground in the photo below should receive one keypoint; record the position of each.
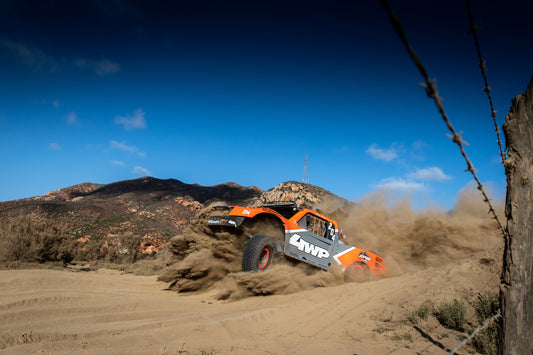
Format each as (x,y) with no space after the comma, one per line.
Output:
(106,312)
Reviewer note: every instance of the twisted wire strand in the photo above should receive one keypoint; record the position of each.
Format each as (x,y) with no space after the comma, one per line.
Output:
(473,30)
(478,329)
(431,91)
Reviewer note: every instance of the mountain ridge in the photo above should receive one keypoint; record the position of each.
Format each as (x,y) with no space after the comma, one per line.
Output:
(149,209)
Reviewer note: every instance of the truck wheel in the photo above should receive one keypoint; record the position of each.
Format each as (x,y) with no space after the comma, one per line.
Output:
(258,253)
(357,272)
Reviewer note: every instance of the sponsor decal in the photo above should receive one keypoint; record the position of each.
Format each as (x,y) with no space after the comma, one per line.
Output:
(222,221)
(246,212)
(307,247)
(214,221)
(364,256)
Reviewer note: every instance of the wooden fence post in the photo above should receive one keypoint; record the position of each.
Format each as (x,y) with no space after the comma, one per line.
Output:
(516,294)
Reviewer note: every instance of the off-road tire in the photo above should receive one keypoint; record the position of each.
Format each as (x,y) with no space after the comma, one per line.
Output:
(357,272)
(258,253)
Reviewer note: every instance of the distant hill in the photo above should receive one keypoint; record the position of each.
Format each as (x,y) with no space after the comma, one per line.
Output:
(153,210)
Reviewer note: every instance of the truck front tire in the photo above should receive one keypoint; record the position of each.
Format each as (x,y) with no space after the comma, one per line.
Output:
(357,272)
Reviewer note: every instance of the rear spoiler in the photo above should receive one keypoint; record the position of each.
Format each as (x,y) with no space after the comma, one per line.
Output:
(225,221)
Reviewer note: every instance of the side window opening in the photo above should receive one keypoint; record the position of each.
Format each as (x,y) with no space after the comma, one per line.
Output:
(318,226)
(303,222)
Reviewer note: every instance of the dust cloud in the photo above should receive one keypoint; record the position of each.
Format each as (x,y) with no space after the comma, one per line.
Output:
(203,256)
(410,241)
(206,259)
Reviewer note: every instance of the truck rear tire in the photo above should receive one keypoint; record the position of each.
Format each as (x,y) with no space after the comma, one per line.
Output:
(258,253)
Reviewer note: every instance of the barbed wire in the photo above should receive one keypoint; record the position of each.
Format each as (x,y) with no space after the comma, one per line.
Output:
(431,92)
(473,30)
(478,329)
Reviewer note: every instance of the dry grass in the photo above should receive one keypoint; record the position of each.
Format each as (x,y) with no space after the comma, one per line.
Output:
(421,312)
(486,306)
(28,241)
(452,315)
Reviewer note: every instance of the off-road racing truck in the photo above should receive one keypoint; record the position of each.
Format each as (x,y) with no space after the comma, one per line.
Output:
(302,234)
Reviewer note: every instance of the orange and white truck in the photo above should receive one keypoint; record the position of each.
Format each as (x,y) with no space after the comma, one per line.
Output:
(308,236)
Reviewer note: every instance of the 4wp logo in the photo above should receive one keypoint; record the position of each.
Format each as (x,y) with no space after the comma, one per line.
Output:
(307,247)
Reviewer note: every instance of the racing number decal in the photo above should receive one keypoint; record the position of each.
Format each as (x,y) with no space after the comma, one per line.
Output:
(330,231)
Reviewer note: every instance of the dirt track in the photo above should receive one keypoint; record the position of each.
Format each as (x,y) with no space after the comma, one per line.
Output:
(108,312)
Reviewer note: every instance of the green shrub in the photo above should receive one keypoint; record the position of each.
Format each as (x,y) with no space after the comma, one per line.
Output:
(452,315)
(421,313)
(25,240)
(402,337)
(486,306)
(486,341)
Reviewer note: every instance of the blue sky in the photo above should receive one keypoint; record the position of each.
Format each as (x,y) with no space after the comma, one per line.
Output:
(214,91)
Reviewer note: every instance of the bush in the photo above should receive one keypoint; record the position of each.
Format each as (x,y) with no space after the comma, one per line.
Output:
(421,313)
(486,341)
(452,315)
(486,306)
(124,248)
(25,240)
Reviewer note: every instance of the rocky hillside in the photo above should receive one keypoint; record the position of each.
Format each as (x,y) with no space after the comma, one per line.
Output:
(148,209)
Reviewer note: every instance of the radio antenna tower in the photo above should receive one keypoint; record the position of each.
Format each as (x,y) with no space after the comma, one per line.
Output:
(305,175)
